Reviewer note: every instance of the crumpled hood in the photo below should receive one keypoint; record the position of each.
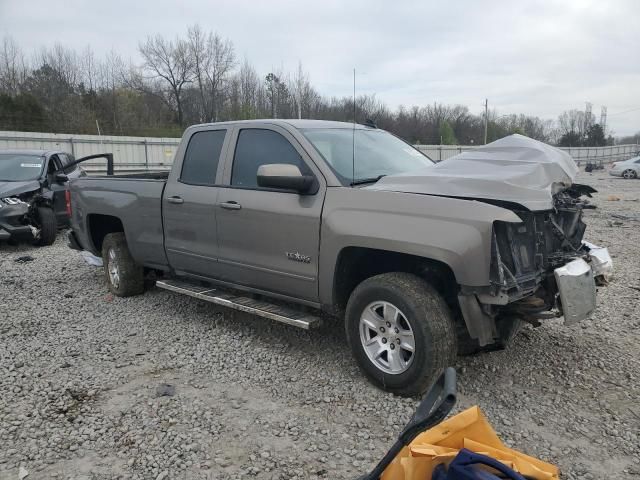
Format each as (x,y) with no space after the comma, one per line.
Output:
(10,189)
(515,169)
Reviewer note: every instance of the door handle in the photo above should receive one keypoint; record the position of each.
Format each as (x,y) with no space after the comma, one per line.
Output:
(175,199)
(231,205)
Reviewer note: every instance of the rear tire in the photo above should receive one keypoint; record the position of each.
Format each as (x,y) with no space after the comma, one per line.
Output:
(46,218)
(422,321)
(124,276)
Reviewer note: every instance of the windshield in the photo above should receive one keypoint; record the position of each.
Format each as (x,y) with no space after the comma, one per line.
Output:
(19,168)
(373,153)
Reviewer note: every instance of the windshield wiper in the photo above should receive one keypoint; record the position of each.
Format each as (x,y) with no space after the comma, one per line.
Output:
(362,181)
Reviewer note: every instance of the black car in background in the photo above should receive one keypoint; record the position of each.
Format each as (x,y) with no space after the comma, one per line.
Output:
(34,198)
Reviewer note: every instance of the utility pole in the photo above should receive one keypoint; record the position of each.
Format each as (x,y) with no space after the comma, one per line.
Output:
(603,119)
(486,118)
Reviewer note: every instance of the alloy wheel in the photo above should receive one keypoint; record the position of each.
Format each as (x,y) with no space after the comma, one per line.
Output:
(114,271)
(386,337)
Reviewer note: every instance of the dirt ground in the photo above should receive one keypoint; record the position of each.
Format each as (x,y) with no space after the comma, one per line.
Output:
(254,399)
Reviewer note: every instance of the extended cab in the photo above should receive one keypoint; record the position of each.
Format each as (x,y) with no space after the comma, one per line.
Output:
(302,221)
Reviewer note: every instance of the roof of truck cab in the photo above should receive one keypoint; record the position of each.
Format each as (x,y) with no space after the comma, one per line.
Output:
(294,122)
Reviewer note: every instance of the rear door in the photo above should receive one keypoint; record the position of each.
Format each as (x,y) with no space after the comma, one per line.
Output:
(188,206)
(269,239)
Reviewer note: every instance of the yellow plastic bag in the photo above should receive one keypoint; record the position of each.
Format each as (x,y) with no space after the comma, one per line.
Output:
(471,430)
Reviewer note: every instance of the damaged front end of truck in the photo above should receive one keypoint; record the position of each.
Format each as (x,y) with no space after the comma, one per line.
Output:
(540,267)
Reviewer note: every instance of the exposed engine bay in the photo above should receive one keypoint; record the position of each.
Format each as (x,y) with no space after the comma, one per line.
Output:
(524,254)
(530,260)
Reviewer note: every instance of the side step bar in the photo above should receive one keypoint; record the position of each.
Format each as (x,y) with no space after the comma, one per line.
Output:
(279,313)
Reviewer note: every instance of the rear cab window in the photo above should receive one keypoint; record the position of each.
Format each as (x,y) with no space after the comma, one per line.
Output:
(200,164)
(256,147)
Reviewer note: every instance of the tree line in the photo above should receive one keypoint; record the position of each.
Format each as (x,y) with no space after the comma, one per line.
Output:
(198,78)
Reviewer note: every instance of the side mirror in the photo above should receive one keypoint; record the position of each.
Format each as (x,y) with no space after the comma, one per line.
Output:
(284,177)
(61,178)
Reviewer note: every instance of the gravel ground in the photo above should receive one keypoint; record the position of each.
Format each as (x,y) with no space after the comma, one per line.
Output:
(81,372)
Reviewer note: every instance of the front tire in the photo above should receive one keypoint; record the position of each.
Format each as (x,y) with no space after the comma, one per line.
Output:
(46,219)
(629,173)
(124,276)
(401,332)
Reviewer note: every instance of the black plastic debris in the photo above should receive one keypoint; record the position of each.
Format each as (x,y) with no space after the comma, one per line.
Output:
(165,390)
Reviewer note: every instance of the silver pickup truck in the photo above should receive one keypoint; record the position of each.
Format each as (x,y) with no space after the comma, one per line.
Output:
(309,222)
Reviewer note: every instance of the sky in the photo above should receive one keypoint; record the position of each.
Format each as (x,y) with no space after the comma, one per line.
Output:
(533,57)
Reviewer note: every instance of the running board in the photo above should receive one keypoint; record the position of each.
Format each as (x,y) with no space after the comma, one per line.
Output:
(260,308)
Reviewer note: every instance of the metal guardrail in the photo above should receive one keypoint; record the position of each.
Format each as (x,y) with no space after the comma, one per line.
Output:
(149,153)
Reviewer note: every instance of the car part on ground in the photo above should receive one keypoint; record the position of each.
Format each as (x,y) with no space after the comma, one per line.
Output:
(433,409)
(430,447)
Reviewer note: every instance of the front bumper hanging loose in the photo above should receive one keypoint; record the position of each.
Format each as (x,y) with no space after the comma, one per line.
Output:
(577,283)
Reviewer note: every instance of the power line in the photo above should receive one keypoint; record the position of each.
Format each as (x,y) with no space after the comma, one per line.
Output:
(626,111)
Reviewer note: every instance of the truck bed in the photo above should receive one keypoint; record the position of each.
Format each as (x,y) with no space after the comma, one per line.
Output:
(133,199)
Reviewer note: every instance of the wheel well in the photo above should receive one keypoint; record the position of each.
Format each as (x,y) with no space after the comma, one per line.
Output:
(356,264)
(101,225)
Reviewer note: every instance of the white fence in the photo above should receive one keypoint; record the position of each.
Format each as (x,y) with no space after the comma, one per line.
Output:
(582,155)
(142,153)
(129,153)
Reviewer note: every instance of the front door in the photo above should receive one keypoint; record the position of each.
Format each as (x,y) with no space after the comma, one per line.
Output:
(269,239)
(57,189)
(188,207)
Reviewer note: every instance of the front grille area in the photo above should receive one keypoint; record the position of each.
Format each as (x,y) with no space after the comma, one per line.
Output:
(525,253)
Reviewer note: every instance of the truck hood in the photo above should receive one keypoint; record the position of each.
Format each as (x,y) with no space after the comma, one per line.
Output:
(10,189)
(514,169)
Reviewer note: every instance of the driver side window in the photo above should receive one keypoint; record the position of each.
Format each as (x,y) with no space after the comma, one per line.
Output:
(256,147)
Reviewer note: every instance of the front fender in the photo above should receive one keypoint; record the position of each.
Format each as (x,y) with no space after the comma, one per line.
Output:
(453,231)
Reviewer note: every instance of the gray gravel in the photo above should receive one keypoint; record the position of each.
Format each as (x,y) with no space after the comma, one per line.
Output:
(82,377)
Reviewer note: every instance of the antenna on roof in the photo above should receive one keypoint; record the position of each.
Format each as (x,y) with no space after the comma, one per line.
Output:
(353,135)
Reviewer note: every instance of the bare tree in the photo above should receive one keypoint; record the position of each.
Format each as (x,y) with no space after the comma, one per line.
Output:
(223,57)
(213,60)
(250,91)
(64,61)
(299,87)
(272,84)
(13,68)
(89,69)
(171,63)
(201,62)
